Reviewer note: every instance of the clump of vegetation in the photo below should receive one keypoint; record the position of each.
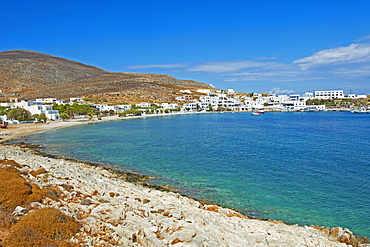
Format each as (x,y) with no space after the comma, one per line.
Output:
(16,191)
(71,110)
(41,117)
(4,110)
(29,237)
(19,114)
(7,219)
(131,112)
(50,223)
(42,227)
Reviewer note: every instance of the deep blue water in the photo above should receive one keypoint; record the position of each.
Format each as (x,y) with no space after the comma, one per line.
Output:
(302,168)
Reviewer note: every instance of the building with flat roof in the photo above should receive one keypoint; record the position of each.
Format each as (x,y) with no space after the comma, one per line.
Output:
(329,94)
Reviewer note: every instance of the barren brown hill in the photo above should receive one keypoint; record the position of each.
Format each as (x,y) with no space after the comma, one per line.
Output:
(30,75)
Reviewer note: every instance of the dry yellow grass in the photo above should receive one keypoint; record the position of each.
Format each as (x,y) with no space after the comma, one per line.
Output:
(30,238)
(50,223)
(16,191)
(42,227)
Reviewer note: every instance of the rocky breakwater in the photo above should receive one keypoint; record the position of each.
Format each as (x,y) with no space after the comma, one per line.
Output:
(96,207)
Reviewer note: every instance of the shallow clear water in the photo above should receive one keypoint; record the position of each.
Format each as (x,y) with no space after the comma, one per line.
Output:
(302,168)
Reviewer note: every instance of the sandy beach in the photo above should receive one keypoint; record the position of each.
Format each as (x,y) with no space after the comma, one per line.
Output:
(114,212)
(16,130)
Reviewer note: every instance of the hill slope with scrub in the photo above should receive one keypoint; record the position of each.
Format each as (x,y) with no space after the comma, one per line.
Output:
(30,75)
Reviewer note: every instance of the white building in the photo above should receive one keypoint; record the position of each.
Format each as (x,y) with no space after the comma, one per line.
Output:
(221,100)
(106,107)
(74,100)
(36,107)
(356,96)
(7,104)
(330,94)
(47,100)
(143,105)
(124,107)
(185,98)
(205,91)
(185,91)
(295,105)
(190,107)
(169,106)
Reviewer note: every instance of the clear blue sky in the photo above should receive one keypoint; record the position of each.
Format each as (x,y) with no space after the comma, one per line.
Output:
(252,46)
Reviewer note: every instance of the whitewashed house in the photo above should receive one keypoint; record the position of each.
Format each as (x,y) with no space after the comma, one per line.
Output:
(7,104)
(100,107)
(169,106)
(203,105)
(106,107)
(185,91)
(47,100)
(75,100)
(36,107)
(180,98)
(124,107)
(185,98)
(143,105)
(205,91)
(356,96)
(190,107)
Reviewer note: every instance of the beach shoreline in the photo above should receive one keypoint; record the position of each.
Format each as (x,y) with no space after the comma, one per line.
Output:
(223,217)
(14,131)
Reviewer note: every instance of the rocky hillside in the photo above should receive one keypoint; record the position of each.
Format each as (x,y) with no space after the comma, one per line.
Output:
(30,75)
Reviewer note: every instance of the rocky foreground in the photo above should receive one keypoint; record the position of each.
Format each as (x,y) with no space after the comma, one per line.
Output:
(110,211)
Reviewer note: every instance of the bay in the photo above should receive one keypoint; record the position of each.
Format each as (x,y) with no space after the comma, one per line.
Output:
(300,167)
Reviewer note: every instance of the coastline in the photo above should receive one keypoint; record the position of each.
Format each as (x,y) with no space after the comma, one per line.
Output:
(14,131)
(190,222)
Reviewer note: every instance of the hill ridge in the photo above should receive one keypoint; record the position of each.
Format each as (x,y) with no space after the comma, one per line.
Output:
(29,75)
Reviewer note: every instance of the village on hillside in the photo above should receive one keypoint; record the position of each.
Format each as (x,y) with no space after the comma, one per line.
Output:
(210,100)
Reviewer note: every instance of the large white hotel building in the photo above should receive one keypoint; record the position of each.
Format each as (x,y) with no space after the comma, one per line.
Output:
(332,94)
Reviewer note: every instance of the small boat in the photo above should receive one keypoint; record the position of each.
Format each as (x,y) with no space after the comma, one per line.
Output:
(256,113)
(3,126)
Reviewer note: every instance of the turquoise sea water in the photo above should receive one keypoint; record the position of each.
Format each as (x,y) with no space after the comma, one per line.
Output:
(302,168)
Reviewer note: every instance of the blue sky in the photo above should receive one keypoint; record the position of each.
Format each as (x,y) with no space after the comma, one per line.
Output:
(283,46)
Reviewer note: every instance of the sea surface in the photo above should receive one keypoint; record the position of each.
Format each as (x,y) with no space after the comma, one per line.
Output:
(303,167)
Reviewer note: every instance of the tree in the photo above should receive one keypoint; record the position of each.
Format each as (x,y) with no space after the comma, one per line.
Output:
(41,117)
(63,115)
(132,112)
(74,109)
(19,114)
(3,110)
